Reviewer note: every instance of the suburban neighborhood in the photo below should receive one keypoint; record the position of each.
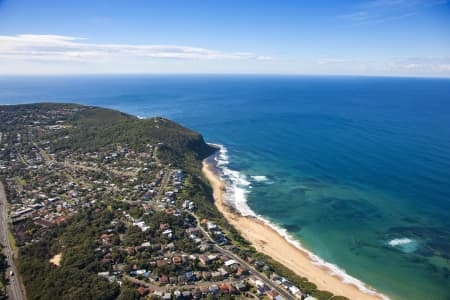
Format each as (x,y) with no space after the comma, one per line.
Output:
(150,241)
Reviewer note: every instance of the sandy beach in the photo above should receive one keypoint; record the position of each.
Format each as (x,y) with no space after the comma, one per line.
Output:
(266,240)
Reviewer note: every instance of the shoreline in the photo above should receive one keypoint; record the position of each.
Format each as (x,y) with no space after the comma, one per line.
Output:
(266,239)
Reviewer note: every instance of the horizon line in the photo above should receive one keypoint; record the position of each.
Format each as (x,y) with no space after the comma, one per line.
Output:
(222,74)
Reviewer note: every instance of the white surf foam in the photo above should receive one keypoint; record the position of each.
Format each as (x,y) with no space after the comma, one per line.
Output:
(259,178)
(236,195)
(405,245)
(237,184)
(400,242)
(333,269)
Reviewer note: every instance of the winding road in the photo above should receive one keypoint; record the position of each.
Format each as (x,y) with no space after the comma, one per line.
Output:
(15,290)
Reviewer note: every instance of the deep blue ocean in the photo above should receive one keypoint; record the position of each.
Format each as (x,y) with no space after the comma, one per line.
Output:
(357,168)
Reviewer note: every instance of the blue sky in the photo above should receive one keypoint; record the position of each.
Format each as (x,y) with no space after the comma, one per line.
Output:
(372,37)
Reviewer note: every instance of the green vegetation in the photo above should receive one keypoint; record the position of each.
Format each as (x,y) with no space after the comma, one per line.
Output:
(93,129)
(3,281)
(76,278)
(197,189)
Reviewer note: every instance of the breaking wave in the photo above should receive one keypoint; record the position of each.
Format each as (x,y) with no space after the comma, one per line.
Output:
(237,188)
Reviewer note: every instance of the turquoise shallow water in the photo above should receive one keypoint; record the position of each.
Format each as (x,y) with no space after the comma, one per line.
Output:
(357,168)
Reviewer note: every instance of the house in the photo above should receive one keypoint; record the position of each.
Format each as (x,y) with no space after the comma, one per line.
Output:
(177,294)
(204,290)
(230,262)
(146,244)
(272,294)
(204,259)
(240,286)
(173,280)
(131,251)
(61,219)
(241,271)
(161,263)
(177,260)
(214,289)
(138,272)
(233,290)
(185,204)
(142,291)
(276,278)
(212,257)
(224,288)
(182,279)
(216,276)
(190,276)
(259,264)
(163,226)
(156,247)
(206,275)
(197,293)
(210,226)
(158,294)
(204,247)
(141,225)
(163,279)
(267,268)
(106,239)
(42,222)
(261,290)
(170,246)
(294,290)
(186,294)
(223,272)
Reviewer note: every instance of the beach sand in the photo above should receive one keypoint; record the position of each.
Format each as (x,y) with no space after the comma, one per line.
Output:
(266,240)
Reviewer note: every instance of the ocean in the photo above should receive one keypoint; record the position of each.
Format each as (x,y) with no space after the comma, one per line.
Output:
(355,168)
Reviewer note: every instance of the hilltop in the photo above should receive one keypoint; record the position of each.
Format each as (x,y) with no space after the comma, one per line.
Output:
(104,205)
(89,128)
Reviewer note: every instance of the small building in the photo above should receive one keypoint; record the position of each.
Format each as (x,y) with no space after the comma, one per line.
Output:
(230,262)
(163,279)
(177,260)
(214,289)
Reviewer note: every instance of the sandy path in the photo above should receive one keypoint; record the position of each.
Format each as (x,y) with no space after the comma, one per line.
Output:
(56,260)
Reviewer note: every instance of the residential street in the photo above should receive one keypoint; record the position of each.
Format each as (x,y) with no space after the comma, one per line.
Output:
(245,264)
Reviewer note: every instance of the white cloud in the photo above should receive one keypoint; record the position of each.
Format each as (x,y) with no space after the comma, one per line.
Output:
(422,62)
(381,11)
(327,61)
(427,66)
(443,67)
(356,16)
(389,3)
(393,4)
(29,47)
(395,66)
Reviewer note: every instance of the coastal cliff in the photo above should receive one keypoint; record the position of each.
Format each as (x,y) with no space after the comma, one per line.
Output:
(99,189)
